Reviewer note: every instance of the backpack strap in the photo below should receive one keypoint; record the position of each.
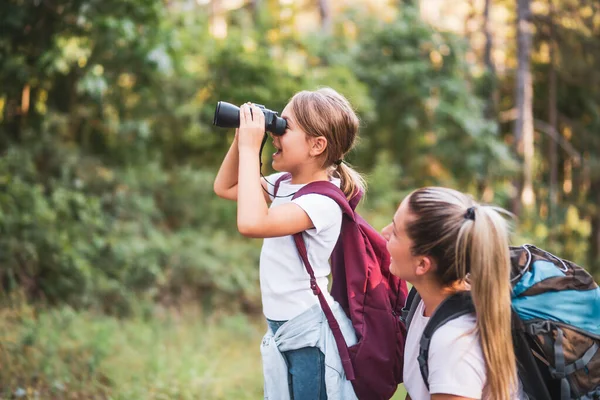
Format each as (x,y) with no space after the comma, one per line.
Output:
(453,307)
(561,370)
(460,304)
(528,369)
(333,324)
(278,182)
(330,190)
(409,309)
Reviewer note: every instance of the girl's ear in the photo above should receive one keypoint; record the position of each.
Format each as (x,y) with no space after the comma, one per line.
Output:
(318,146)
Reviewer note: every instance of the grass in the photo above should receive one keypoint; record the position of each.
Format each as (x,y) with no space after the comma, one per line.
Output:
(65,354)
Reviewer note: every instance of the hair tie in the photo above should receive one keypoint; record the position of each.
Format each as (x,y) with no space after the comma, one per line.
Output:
(470,214)
(338,162)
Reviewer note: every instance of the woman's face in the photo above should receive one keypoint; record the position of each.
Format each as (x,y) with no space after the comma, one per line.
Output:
(403,263)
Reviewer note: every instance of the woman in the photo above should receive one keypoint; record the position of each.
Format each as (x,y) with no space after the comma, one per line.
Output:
(440,238)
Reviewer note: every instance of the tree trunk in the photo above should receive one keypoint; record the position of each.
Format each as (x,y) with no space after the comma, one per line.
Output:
(491,103)
(523,129)
(552,119)
(217,22)
(594,239)
(12,118)
(325,13)
(255,7)
(471,15)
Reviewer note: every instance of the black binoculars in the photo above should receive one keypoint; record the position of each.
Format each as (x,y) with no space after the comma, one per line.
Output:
(228,116)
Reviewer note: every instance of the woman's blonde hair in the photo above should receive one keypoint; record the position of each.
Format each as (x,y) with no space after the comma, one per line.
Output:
(463,238)
(327,113)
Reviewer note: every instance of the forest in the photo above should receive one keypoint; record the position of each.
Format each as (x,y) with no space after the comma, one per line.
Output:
(123,276)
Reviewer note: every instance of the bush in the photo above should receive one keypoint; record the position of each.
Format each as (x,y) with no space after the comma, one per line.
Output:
(106,238)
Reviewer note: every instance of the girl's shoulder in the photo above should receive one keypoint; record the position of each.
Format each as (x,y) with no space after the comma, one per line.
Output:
(274,177)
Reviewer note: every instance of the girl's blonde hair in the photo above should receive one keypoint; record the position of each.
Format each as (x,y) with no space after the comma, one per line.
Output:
(473,241)
(327,113)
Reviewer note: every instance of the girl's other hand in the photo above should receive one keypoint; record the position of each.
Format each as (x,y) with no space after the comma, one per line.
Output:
(252,127)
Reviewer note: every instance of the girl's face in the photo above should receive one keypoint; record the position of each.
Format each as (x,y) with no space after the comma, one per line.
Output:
(293,147)
(403,263)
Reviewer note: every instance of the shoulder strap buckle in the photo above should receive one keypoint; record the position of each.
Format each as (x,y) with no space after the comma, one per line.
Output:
(537,327)
(315,288)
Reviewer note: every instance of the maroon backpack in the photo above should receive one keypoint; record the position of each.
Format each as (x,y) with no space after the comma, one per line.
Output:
(369,294)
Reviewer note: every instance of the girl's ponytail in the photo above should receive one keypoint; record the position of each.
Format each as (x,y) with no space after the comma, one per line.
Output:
(351,180)
(482,249)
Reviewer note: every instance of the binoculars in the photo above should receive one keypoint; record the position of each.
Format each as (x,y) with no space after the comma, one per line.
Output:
(228,116)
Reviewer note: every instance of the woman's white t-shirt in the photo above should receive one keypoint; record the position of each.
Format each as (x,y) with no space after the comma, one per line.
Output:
(456,363)
(284,281)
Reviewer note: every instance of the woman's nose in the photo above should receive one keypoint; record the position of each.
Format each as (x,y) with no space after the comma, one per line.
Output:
(385,232)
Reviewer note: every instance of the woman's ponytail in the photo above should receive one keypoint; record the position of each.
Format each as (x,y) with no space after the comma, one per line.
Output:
(482,249)
(470,242)
(351,180)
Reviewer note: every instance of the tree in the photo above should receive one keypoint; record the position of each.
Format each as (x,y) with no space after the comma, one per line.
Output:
(523,127)
(553,121)
(326,17)
(491,108)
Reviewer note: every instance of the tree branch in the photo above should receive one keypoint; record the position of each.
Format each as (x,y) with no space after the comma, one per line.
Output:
(544,127)
(558,138)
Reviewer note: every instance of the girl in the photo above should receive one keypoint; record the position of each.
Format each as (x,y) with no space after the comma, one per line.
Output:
(437,237)
(300,359)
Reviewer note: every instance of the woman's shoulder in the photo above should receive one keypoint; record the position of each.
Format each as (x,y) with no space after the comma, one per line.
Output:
(460,332)
(456,362)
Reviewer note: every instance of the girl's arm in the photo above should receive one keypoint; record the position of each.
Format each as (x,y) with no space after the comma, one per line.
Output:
(226,182)
(225,185)
(254,218)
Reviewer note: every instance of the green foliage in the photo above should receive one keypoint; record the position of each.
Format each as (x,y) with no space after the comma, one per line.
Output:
(176,354)
(99,237)
(568,236)
(61,353)
(426,114)
(109,153)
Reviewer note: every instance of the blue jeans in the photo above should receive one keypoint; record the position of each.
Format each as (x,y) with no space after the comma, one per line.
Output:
(306,370)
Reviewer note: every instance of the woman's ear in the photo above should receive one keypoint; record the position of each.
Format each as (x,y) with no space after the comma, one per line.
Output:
(318,146)
(424,265)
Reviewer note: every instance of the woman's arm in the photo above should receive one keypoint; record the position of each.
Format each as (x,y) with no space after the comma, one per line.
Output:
(254,218)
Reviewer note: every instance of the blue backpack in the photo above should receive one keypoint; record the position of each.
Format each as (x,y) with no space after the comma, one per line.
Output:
(556,325)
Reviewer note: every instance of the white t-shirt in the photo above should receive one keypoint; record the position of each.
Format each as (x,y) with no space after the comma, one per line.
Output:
(456,363)
(284,281)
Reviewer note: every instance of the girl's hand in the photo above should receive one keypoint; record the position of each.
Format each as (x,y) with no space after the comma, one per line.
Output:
(252,127)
